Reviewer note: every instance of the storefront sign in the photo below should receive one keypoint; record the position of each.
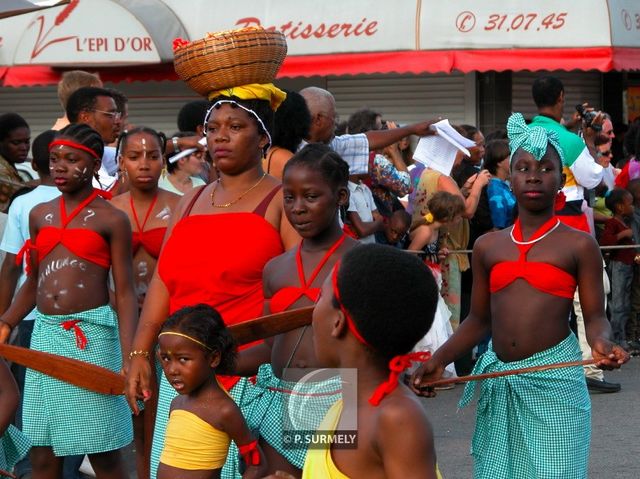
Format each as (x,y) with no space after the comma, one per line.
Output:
(88,32)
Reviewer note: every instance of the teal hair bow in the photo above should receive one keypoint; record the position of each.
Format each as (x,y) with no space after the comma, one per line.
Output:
(534,140)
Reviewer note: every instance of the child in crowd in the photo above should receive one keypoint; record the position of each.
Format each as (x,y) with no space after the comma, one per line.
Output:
(502,203)
(368,318)
(362,214)
(633,325)
(13,444)
(314,189)
(194,346)
(395,229)
(617,231)
(77,240)
(524,279)
(444,208)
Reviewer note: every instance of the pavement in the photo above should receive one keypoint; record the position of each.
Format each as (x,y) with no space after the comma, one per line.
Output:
(615,441)
(615,419)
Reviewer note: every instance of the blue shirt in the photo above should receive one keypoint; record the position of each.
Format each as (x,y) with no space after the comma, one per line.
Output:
(502,203)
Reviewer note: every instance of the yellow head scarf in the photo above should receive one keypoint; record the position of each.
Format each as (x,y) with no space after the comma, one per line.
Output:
(253,91)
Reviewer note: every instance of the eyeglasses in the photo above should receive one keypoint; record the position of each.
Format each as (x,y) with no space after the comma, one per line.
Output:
(116,115)
(606,153)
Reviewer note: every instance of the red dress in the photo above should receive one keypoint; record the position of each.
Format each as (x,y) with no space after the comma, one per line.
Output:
(218,260)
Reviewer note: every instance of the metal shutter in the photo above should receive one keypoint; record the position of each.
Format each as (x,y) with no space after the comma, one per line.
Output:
(579,87)
(407,98)
(39,106)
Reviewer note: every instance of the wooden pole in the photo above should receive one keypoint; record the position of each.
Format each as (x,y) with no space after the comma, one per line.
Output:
(478,377)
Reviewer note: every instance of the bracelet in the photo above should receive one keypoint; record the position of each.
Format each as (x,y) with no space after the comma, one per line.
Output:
(4,322)
(174,142)
(144,354)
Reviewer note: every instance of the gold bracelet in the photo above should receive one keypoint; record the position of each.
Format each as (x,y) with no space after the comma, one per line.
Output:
(144,354)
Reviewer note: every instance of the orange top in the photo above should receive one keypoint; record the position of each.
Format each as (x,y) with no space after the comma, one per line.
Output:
(544,277)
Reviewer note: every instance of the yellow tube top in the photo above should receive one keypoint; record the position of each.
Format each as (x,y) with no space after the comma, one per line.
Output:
(193,444)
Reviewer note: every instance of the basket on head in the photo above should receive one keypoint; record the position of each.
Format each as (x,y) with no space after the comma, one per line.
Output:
(230,58)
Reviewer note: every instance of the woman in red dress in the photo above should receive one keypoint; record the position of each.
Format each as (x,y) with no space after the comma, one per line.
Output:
(218,241)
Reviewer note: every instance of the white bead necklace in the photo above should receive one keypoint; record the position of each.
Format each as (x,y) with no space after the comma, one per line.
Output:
(525,243)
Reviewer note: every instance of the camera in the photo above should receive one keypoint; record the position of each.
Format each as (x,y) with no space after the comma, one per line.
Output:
(588,117)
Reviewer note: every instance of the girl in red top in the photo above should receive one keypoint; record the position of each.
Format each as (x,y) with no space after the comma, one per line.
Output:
(149,209)
(218,241)
(77,240)
(314,189)
(524,279)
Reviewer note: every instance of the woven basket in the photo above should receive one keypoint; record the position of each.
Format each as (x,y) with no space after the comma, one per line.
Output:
(231,58)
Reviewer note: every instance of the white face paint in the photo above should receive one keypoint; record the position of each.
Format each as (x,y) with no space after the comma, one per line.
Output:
(49,218)
(78,172)
(56,265)
(90,214)
(144,147)
(143,269)
(165,214)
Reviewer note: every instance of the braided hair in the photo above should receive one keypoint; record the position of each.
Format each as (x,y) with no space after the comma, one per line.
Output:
(319,157)
(85,135)
(124,136)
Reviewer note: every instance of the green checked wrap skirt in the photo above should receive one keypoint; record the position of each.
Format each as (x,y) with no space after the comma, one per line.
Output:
(67,418)
(533,425)
(276,409)
(14,445)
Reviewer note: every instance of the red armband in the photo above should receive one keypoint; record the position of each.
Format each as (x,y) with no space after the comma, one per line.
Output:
(250,453)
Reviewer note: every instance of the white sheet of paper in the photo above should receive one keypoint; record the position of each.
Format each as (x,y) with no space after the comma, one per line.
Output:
(439,151)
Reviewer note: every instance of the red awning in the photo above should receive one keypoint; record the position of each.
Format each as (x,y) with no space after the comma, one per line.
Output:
(406,62)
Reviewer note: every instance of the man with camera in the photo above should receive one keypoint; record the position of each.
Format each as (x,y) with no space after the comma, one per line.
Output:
(582,172)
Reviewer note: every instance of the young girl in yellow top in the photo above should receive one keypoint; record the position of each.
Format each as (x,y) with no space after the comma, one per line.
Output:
(444,208)
(194,346)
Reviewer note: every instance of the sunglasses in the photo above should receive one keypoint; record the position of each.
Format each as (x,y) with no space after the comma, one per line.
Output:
(605,153)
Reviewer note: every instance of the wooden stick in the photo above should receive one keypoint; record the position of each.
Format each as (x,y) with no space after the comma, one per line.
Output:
(101,380)
(7,474)
(271,325)
(478,377)
(79,373)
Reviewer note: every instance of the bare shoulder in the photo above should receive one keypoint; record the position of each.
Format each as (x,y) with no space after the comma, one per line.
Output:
(169,198)
(278,262)
(121,201)
(491,242)
(221,413)
(401,413)
(579,241)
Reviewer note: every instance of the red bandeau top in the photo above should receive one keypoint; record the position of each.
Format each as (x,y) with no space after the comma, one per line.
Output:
(82,242)
(544,277)
(150,240)
(285,297)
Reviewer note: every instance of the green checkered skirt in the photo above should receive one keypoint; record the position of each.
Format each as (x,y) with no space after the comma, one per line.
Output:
(533,425)
(13,447)
(276,409)
(67,418)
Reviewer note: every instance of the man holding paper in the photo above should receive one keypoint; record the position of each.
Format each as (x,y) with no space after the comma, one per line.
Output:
(354,149)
